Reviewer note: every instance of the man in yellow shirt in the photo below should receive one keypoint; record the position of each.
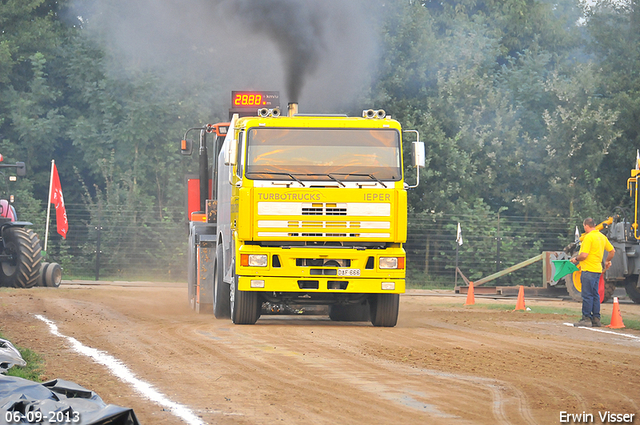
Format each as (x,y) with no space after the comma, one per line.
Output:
(590,257)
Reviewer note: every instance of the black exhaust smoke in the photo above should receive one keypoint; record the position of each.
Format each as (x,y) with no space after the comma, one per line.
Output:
(296,27)
(322,53)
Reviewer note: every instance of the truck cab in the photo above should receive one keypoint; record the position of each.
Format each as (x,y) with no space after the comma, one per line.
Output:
(311,210)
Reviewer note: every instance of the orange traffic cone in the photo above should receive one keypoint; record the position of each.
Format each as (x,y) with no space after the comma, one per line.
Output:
(520,302)
(616,318)
(471,299)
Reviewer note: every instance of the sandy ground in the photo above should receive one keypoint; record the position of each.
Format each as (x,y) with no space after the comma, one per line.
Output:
(444,363)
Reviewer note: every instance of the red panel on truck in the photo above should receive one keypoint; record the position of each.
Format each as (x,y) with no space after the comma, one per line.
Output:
(193,195)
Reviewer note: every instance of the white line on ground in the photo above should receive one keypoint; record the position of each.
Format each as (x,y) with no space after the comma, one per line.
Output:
(604,331)
(120,370)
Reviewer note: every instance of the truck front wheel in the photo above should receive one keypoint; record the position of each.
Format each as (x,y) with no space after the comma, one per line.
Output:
(384,309)
(22,269)
(221,297)
(245,306)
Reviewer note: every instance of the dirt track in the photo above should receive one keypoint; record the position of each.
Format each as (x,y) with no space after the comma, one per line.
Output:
(443,363)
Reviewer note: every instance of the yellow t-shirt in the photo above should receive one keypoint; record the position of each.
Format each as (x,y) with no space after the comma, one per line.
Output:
(594,244)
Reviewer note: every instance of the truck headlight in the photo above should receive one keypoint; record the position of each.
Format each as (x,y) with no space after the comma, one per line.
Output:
(391,263)
(254,260)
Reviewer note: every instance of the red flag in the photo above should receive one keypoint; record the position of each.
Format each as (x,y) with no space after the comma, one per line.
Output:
(58,201)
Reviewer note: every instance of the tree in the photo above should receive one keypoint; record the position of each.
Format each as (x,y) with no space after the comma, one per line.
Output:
(614,41)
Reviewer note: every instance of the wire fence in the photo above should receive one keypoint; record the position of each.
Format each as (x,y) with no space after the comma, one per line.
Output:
(119,243)
(490,243)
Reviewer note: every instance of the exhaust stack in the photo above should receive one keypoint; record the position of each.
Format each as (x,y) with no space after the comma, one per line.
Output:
(292,109)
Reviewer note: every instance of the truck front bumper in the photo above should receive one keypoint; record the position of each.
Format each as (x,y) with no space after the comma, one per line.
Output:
(321,284)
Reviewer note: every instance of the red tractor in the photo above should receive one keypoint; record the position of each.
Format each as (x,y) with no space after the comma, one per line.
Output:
(21,264)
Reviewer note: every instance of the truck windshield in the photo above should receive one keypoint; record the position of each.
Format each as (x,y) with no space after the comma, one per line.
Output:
(315,154)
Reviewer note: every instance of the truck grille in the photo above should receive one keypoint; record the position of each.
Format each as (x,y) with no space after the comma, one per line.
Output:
(363,209)
(324,209)
(317,222)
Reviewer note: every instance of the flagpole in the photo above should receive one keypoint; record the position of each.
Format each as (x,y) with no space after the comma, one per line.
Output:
(46,232)
(458,240)
(455,280)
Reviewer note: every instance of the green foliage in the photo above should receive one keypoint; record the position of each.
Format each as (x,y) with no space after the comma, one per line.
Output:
(614,35)
(34,368)
(525,111)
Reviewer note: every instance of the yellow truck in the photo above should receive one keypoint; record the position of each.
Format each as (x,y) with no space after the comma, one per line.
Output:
(302,209)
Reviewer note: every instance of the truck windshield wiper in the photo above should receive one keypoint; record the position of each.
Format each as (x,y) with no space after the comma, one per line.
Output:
(281,174)
(376,179)
(320,175)
(371,176)
(336,180)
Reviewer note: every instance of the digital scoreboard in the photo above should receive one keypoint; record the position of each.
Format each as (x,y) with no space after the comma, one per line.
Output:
(247,103)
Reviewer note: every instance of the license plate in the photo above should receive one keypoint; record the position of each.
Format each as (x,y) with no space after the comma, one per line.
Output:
(348,272)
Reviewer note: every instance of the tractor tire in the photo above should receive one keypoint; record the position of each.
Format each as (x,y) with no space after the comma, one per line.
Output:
(246,306)
(53,275)
(609,287)
(349,313)
(384,309)
(43,267)
(632,288)
(221,296)
(23,269)
(574,286)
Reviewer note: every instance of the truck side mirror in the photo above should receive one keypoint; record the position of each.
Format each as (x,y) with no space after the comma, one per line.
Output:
(21,169)
(186,147)
(232,153)
(419,156)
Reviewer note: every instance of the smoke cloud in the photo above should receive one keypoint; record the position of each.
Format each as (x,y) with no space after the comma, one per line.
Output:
(297,30)
(320,53)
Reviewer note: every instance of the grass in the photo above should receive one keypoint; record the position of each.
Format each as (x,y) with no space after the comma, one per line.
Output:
(414,283)
(127,277)
(34,367)
(628,323)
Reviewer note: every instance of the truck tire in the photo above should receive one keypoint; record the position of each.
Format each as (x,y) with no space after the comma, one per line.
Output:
(53,275)
(23,269)
(631,286)
(349,313)
(191,269)
(221,296)
(204,279)
(384,309)
(246,306)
